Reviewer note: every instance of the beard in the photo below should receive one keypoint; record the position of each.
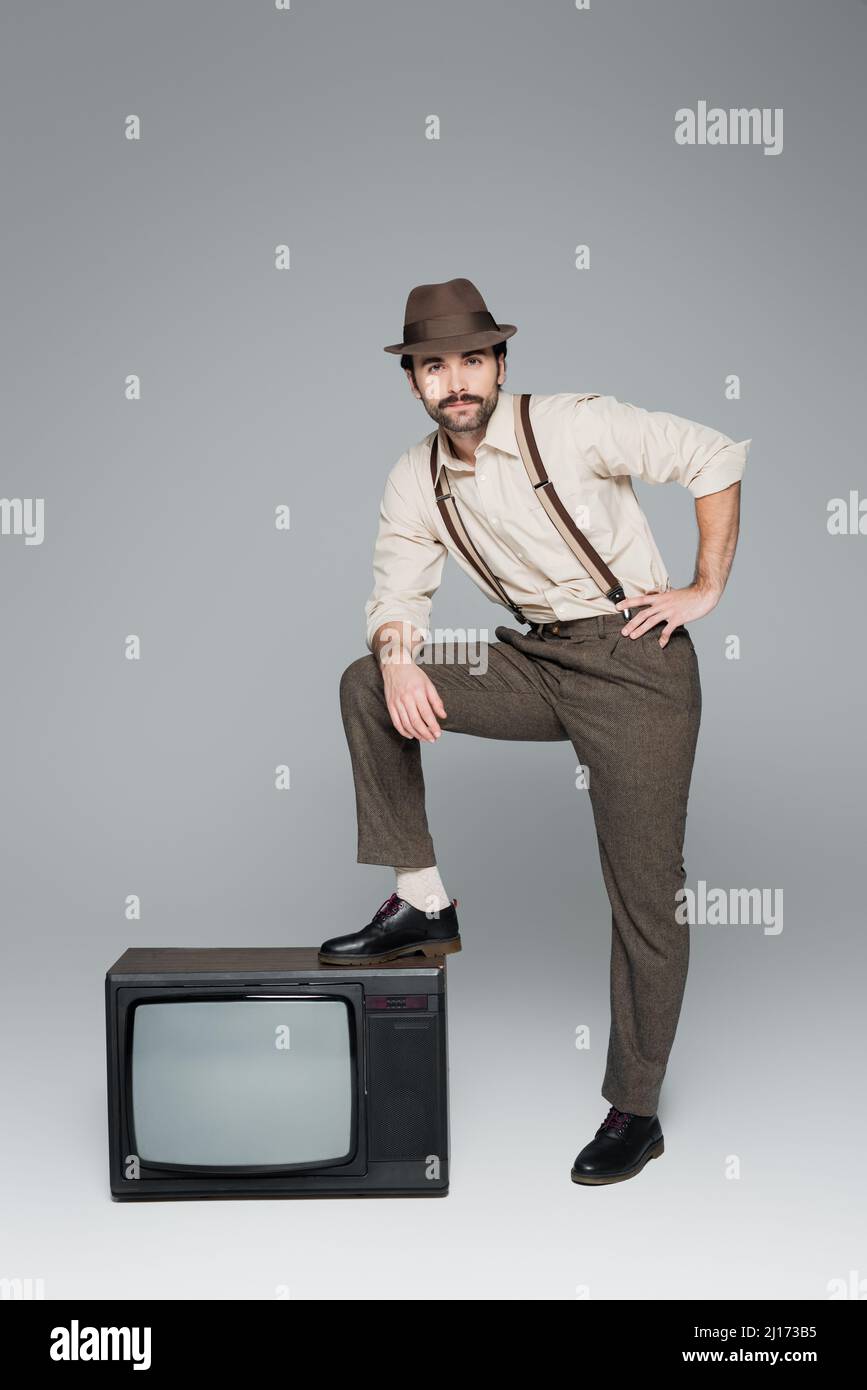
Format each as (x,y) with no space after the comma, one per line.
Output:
(462,421)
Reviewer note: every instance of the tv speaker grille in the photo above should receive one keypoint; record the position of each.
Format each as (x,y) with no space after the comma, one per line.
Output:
(405,1088)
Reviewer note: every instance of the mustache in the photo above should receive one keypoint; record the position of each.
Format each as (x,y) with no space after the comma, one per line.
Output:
(464,400)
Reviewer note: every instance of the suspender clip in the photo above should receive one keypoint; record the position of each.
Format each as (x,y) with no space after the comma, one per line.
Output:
(615,595)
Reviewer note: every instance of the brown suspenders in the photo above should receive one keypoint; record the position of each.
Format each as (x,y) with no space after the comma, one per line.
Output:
(574,538)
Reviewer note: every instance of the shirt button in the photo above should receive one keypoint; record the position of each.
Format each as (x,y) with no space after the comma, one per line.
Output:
(481,477)
(495,520)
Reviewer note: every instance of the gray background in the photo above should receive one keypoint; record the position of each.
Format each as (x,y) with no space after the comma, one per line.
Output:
(156,777)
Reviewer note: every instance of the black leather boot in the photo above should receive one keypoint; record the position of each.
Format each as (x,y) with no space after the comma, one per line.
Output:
(397,929)
(622,1145)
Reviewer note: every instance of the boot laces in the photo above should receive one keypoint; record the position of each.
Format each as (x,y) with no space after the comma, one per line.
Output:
(388,908)
(615,1121)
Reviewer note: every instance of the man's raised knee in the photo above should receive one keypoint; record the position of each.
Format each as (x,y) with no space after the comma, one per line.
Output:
(358,673)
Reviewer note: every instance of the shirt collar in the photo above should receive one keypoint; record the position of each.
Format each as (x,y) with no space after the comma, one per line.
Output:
(500,434)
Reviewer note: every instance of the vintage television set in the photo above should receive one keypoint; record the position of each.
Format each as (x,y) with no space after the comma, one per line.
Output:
(261,1072)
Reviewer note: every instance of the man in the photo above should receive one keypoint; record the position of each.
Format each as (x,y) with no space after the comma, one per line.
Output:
(618,677)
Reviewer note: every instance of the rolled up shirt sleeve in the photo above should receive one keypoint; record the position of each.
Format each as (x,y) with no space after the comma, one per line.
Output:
(620,438)
(408,557)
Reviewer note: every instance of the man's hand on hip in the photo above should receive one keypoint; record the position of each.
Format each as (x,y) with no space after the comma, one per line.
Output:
(675,606)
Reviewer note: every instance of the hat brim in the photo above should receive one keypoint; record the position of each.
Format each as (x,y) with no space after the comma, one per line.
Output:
(487,338)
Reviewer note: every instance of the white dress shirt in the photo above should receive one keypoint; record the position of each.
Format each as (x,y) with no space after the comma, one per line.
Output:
(592,446)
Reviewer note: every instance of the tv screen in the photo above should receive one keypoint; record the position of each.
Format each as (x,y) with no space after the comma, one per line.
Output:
(242,1082)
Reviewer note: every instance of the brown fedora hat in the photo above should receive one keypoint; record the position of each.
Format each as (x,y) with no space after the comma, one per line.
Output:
(447,318)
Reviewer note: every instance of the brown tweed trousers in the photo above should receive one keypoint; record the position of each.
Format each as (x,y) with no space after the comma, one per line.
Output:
(631,710)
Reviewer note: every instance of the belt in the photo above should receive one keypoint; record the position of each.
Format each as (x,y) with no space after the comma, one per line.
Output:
(563,627)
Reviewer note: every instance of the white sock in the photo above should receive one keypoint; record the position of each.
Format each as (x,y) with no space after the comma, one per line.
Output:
(423,888)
